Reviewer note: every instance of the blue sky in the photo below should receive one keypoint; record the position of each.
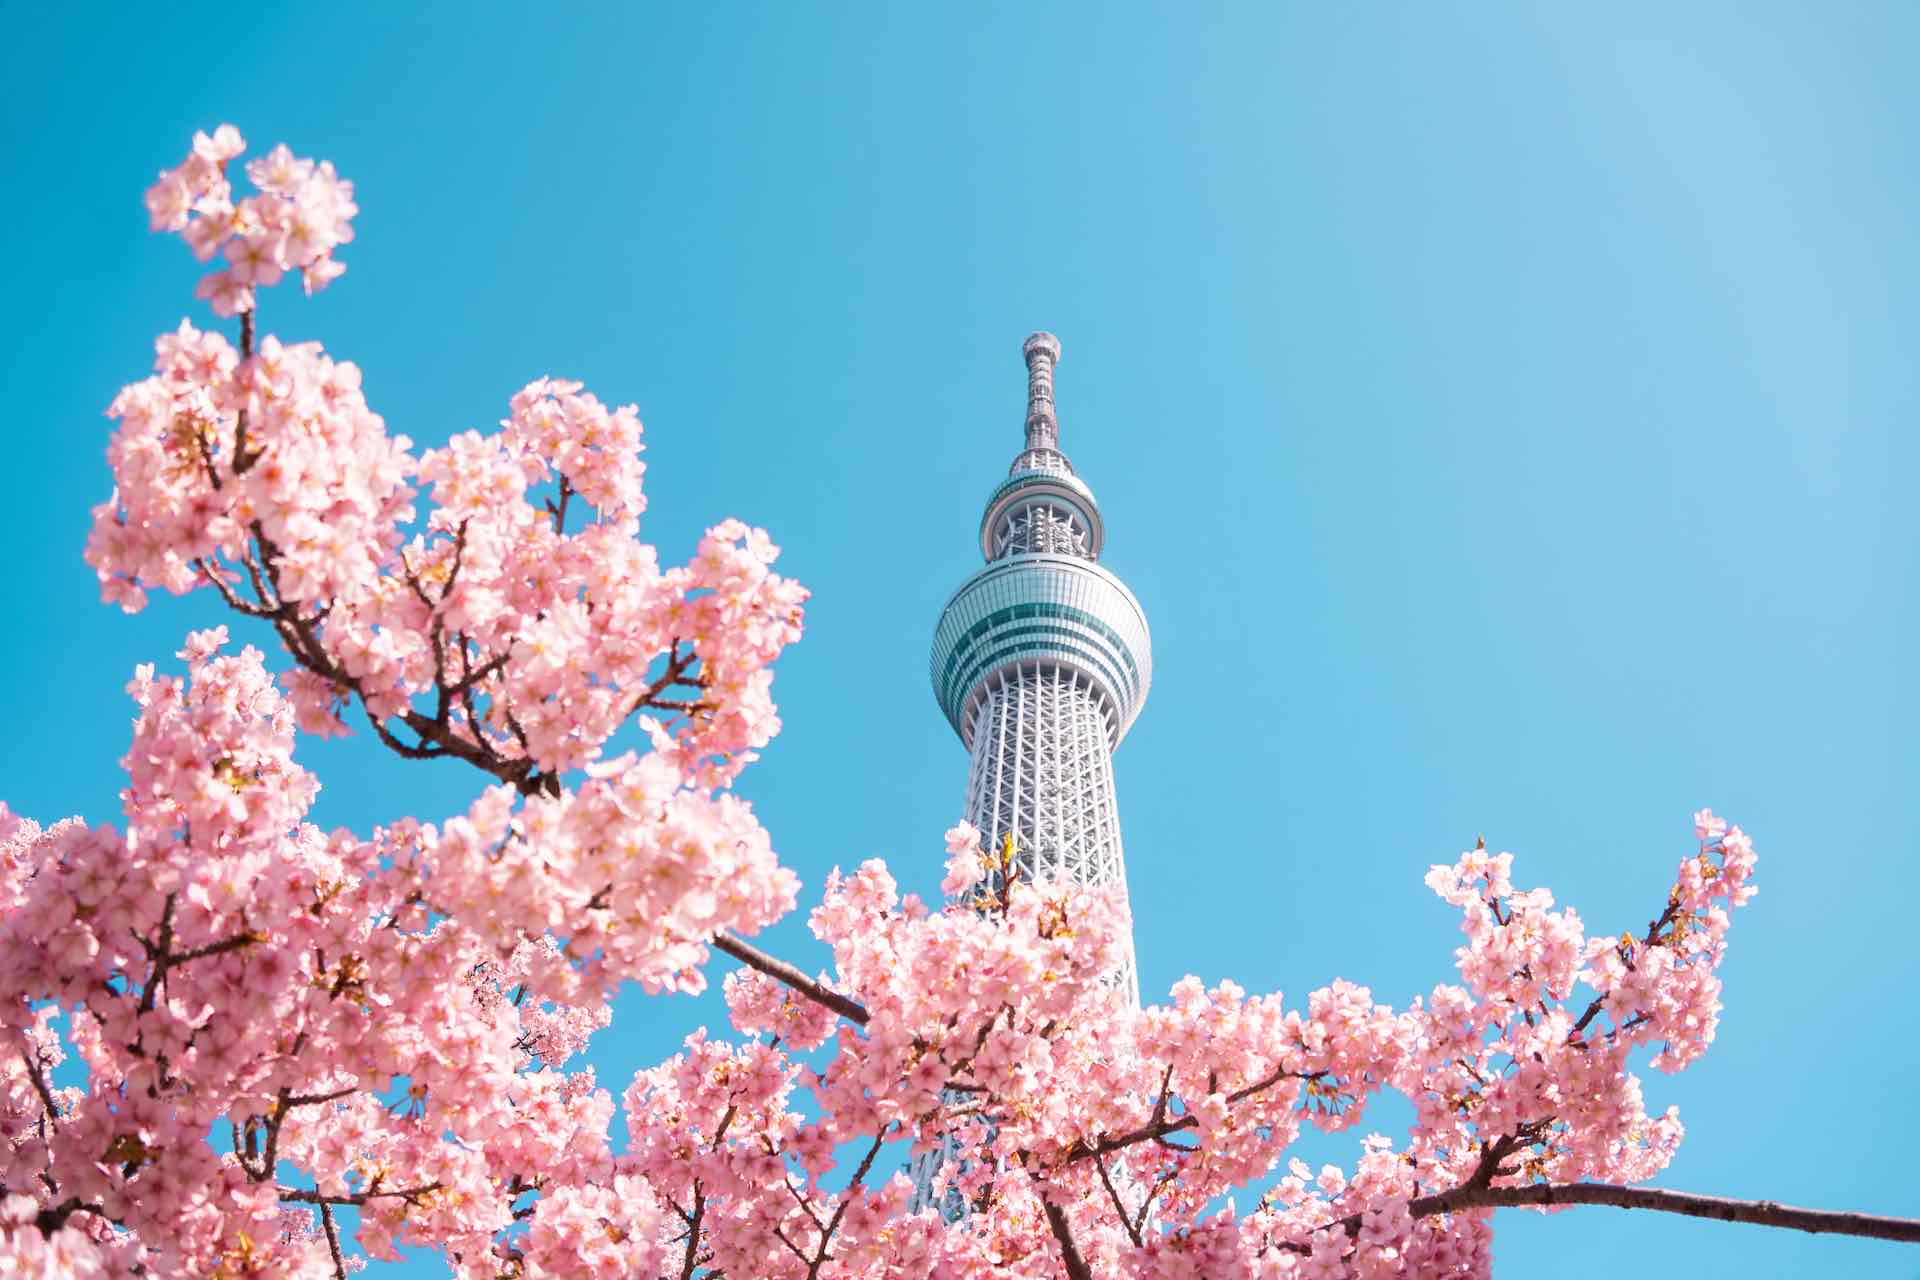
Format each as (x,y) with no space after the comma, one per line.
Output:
(1506,415)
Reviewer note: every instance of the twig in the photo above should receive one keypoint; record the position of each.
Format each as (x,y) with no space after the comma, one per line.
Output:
(846,1199)
(1113,1194)
(32,1058)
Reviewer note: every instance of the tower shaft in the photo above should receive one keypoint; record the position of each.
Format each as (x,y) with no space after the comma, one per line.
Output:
(1043,774)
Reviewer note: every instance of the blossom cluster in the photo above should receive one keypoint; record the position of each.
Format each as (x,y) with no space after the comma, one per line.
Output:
(493,633)
(634,870)
(351,1009)
(391,1016)
(301,212)
(224,1027)
(991,1029)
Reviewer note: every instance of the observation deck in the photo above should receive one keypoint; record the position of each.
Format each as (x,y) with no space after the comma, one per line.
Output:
(1043,602)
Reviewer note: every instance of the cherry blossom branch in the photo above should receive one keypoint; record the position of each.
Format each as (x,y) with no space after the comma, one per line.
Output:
(52,1219)
(284,1102)
(436,734)
(165,959)
(242,460)
(1106,1180)
(157,953)
(1161,1126)
(1766,1213)
(559,513)
(1077,1268)
(234,943)
(333,1241)
(676,674)
(304,1195)
(31,1057)
(846,1199)
(1654,927)
(781,971)
(1478,1192)
(692,1258)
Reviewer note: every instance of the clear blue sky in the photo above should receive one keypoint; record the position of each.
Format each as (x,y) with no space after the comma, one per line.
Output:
(1506,415)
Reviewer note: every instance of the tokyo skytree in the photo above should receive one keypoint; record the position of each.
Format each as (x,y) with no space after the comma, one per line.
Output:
(1041,661)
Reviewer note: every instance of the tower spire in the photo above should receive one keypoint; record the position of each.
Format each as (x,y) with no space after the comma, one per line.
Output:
(1042,351)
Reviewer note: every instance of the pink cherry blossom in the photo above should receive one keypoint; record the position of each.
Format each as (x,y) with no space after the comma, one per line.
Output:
(302,213)
(965,867)
(389,1020)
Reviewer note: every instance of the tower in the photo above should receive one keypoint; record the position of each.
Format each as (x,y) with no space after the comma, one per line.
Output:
(1041,660)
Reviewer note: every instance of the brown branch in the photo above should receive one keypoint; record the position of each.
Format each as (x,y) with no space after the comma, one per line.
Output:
(53,1218)
(464,685)
(1654,927)
(1765,1213)
(846,1199)
(333,1241)
(692,1258)
(242,461)
(437,737)
(158,953)
(781,971)
(786,1180)
(313,1099)
(1077,1268)
(559,513)
(212,574)
(677,668)
(284,1102)
(1478,1192)
(1166,1091)
(302,1195)
(1153,1193)
(1159,1127)
(685,706)
(30,1055)
(234,943)
(781,1235)
(1106,1180)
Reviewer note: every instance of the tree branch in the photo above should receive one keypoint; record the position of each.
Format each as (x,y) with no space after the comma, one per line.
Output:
(1077,1268)
(781,971)
(54,1218)
(242,460)
(1160,1126)
(1765,1213)
(333,1241)
(692,1258)
(30,1054)
(302,1195)
(846,1199)
(1113,1193)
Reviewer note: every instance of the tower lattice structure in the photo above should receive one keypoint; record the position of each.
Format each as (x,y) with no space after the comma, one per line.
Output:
(1041,660)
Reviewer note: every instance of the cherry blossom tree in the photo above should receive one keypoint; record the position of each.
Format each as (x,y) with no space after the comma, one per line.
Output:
(294,1050)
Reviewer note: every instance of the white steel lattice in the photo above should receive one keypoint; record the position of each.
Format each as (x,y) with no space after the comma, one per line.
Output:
(1043,773)
(1041,528)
